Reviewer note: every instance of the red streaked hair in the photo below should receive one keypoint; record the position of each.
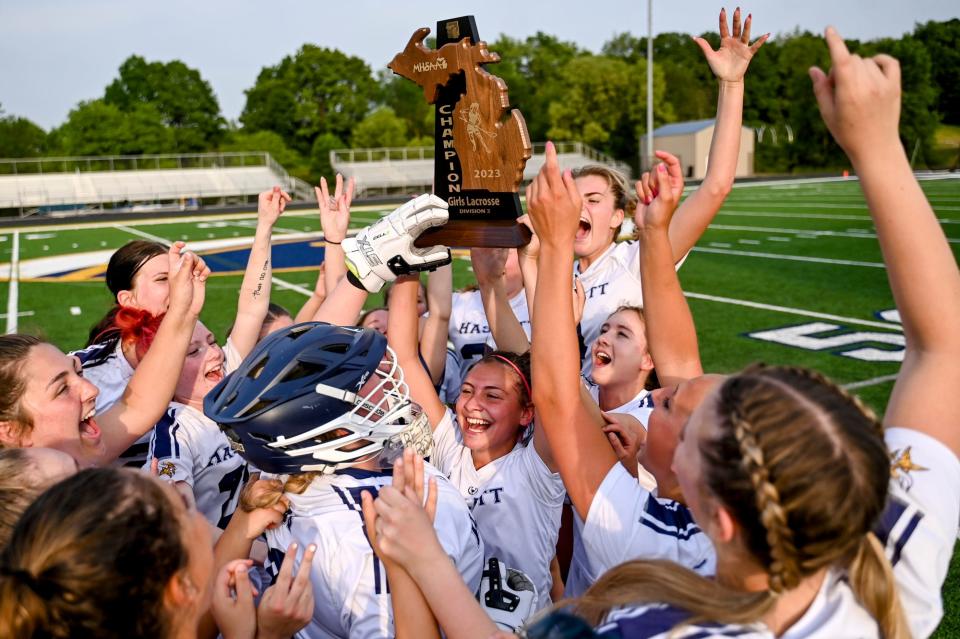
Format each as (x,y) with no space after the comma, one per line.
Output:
(137,327)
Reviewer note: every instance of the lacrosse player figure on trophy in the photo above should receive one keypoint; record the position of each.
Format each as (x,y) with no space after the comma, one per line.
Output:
(482,145)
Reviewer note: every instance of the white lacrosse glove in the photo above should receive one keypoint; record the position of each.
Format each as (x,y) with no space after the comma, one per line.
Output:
(507,595)
(384,250)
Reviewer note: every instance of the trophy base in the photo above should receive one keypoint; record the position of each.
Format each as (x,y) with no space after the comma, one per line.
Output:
(489,234)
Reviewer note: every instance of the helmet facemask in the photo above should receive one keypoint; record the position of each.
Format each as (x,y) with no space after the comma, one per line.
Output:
(381,423)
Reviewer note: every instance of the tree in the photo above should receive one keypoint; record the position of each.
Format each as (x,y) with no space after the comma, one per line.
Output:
(185,100)
(605,104)
(313,92)
(20,138)
(320,156)
(98,128)
(941,41)
(380,128)
(405,98)
(273,144)
(533,71)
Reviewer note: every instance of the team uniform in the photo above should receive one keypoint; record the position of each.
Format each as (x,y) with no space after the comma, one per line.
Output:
(626,521)
(231,357)
(515,500)
(191,448)
(638,407)
(918,529)
(349,582)
(470,331)
(612,281)
(108,369)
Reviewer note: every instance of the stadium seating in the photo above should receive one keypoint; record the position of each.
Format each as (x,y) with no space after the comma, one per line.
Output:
(82,189)
(401,170)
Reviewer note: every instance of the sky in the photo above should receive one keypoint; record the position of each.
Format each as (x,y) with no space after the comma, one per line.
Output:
(56,53)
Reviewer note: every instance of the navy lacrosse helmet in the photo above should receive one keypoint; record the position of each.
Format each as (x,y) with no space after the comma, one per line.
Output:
(317,397)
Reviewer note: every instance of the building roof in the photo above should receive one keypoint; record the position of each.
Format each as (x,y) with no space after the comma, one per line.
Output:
(683,128)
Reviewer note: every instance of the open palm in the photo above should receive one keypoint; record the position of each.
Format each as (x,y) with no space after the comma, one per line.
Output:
(729,63)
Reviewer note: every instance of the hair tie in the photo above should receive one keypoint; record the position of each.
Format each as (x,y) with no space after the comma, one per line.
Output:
(523,378)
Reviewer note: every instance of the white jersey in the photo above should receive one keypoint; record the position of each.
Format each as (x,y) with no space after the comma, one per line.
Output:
(920,524)
(108,369)
(470,330)
(231,358)
(639,407)
(191,448)
(918,529)
(515,499)
(627,522)
(349,582)
(612,281)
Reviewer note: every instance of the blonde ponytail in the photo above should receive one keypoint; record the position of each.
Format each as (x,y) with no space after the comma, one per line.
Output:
(872,580)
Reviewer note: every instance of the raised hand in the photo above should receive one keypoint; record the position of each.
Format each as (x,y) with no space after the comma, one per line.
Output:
(531,250)
(859,99)
(657,214)
(553,203)
(188,276)
(270,204)
(384,250)
(647,187)
(729,63)
(232,605)
(489,264)
(287,605)
(335,211)
(400,522)
(626,436)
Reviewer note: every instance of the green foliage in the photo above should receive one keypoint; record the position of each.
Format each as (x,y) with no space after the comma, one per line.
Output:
(273,144)
(320,156)
(20,138)
(380,128)
(316,91)
(406,100)
(533,72)
(605,104)
(185,101)
(99,128)
(942,41)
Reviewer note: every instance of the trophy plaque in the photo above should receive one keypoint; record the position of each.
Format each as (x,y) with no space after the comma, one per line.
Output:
(482,145)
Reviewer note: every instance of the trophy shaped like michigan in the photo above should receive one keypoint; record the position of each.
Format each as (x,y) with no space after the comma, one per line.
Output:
(482,145)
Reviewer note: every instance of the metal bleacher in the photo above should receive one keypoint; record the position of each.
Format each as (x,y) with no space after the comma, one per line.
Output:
(387,170)
(51,184)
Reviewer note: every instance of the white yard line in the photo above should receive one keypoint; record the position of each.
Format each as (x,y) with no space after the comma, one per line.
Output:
(143,234)
(870,382)
(792,258)
(860,234)
(795,311)
(13,288)
(811,216)
(21,314)
(291,286)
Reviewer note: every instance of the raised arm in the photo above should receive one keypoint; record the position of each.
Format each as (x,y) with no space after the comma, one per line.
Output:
(860,103)
(671,334)
(581,451)
(342,305)
(151,388)
(433,341)
(315,301)
(489,266)
(402,334)
(254,298)
(729,65)
(405,536)
(334,220)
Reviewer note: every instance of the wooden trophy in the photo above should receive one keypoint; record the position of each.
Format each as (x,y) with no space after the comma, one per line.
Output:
(481,148)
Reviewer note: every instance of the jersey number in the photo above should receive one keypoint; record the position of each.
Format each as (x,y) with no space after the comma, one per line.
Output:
(230,484)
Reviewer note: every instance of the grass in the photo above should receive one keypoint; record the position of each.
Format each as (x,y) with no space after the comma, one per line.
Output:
(747,256)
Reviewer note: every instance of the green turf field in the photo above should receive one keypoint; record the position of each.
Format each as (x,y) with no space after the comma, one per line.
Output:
(788,273)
